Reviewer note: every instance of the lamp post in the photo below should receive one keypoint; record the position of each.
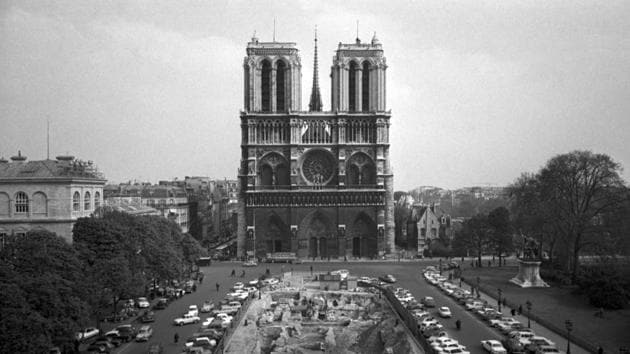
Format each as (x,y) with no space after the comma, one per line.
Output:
(478,281)
(500,291)
(569,325)
(440,266)
(529,310)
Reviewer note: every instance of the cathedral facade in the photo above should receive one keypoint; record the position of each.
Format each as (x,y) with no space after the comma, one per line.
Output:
(315,183)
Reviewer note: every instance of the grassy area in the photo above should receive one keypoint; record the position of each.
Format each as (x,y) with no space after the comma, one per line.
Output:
(556,304)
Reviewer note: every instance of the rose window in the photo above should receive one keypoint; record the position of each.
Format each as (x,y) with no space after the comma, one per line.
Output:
(318,167)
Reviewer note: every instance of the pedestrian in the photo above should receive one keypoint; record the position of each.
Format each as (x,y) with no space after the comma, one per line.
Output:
(267,272)
(176,337)
(194,287)
(489,263)
(233,274)
(520,309)
(458,324)
(600,350)
(311,270)
(217,285)
(513,312)
(243,274)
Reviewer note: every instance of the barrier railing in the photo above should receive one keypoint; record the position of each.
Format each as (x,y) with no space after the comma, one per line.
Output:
(229,331)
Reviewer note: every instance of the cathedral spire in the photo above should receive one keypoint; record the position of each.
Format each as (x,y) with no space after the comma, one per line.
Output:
(316,99)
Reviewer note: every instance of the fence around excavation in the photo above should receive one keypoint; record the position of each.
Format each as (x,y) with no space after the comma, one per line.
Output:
(220,347)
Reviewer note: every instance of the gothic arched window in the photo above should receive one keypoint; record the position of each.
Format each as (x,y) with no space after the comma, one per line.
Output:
(265,86)
(266,176)
(280,99)
(365,87)
(352,87)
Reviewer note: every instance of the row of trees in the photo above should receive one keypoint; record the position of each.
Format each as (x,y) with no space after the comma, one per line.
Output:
(52,288)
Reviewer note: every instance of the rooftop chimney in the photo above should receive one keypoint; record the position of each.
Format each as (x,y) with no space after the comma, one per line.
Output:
(19,157)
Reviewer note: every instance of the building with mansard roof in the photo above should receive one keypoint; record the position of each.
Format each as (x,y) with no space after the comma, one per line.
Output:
(47,194)
(317,183)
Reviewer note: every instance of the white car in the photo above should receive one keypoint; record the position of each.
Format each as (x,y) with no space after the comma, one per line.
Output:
(270,281)
(522,336)
(144,334)
(87,333)
(186,319)
(193,310)
(207,322)
(459,350)
(493,346)
(238,286)
(498,321)
(342,272)
(444,312)
(207,307)
(143,303)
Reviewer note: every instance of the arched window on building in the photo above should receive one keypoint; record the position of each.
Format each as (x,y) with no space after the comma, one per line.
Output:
(21,202)
(40,203)
(97,200)
(280,82)
(352,87)
(265,86)
(87,201)
(365,87)
(76,201)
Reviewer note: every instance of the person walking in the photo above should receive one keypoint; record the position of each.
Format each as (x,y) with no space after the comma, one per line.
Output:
(458,324)
(233,274)
(520,309)
(311,270)
(176,337)
(243,274)
(217,285)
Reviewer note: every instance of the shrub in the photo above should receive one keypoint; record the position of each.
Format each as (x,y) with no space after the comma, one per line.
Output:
(605,286)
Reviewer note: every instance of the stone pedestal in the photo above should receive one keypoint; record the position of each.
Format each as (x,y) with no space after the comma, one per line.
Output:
(529,275)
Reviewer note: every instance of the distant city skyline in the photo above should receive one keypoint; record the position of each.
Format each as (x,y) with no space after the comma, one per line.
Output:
(480,92)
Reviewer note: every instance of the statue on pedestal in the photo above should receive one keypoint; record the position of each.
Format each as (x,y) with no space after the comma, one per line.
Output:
(529,266)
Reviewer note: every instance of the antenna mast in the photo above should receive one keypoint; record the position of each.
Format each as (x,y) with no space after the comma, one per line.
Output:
(274,29)
(48,139)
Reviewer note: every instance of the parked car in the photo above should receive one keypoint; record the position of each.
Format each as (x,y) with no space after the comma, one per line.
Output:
(428,301)
(87,333)
(101,346)
(143,303)
(388,278)
(207,306)
(250,263)
(186,319)
(537,341)
(148,316)
(155,348)
(144,333)
(342,272)
(444,312)
(547,349)
(127,332)
(493,346)
(161,304)
(112,337)
(193,310)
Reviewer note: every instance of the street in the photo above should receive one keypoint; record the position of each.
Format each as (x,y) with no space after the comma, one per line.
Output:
(408,276)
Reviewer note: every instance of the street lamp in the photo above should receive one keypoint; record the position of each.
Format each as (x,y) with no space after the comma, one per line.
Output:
(440,266)
(500,291)
(569,325)
(529,309)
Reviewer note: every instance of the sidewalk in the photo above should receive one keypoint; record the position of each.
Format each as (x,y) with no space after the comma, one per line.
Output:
(559,338)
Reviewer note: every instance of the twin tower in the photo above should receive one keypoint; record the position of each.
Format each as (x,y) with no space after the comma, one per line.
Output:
(317,184)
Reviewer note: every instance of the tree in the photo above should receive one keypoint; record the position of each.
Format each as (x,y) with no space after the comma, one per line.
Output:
(567,199)
(500,237)
(473,236)
(43,293)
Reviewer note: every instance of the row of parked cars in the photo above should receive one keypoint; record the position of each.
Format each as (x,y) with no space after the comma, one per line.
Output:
(518,338)
(219,315)
(428,324)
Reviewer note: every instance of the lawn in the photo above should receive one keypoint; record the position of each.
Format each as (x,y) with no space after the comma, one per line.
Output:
(557,304)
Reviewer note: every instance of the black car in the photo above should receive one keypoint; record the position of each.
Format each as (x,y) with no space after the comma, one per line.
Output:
(127,332)
(148,316)
(113,338)
(161,304)
(101,346)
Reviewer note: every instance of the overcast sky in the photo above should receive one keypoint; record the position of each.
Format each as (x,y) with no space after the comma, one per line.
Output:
(480,91)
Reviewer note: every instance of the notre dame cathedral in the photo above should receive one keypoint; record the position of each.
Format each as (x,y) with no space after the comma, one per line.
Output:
(317,183)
